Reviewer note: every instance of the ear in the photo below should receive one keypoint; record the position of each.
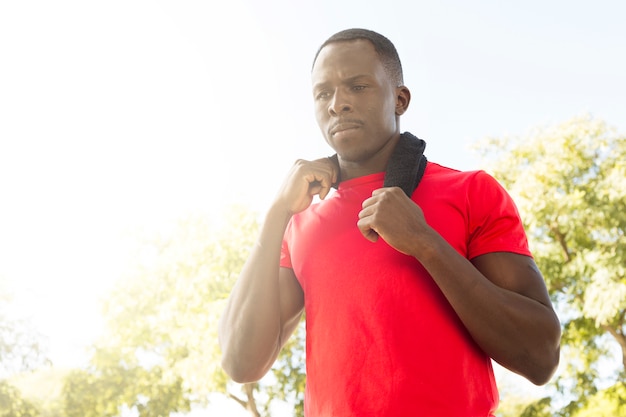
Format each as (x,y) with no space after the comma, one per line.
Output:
(403,98)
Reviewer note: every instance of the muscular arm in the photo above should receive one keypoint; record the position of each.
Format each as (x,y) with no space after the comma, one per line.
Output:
(266,302)
(263,309)
(530,346)
(502,301)
(501,298)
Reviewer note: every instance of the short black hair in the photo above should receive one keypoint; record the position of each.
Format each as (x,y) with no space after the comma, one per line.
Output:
(384,48)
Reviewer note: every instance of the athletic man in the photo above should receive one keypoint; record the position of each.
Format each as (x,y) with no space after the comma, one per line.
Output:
(408,294)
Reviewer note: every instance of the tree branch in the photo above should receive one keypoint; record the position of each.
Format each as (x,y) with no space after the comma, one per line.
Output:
(560,237)
(618,334)
(249,388)
(249,404)
(241,402)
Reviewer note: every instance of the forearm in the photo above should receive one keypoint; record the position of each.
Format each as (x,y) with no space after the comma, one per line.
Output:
(250,327)
(517,331)
(266,303)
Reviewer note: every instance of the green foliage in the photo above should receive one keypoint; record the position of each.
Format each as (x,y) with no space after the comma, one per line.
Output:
(160,351)
(169,306)
(20,345)
(112,386)
(43,388)
(13,404)
(540,408)
(608,403)
(569,182)
(289,372)
(20,350)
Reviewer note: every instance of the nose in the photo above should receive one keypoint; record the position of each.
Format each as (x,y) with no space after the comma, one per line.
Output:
(339,104)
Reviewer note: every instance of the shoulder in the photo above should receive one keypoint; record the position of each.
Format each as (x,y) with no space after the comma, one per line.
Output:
(456,181)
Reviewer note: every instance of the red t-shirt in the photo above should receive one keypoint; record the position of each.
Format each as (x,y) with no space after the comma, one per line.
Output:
(381,338)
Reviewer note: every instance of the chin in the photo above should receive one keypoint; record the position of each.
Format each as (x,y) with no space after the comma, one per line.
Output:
(353,156)
(349,150)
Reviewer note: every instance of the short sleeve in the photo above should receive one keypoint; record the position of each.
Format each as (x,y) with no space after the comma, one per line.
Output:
(494,222)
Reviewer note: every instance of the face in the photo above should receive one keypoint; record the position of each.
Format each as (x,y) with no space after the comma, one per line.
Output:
(357,105)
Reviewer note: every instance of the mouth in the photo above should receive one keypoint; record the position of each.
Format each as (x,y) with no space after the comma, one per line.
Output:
(344,125)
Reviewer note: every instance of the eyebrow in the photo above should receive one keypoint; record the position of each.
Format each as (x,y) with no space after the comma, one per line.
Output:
(346,81)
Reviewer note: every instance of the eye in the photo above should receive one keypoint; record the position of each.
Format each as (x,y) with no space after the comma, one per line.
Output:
(358,87)
(322,95)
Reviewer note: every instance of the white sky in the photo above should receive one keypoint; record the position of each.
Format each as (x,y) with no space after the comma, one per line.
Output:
(125,114)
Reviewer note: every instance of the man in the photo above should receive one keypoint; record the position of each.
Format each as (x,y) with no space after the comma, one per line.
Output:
(407,298)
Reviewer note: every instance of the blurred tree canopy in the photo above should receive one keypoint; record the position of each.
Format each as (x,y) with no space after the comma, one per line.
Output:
(159,353)
(20,350)
(569,182)
(13,404)
(20,345)
(43,388)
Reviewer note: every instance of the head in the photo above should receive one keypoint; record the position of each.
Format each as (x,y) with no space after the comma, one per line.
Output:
(385,50)
(359,96)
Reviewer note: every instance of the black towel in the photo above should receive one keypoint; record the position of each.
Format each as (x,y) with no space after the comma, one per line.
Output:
(406,165)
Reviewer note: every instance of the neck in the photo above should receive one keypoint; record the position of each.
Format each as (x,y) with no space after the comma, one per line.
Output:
(376,163)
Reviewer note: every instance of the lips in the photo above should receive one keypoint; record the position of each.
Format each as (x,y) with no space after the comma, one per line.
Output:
(343,125)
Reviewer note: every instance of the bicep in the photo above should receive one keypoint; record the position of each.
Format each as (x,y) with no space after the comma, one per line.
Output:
(514,272)
(291,302)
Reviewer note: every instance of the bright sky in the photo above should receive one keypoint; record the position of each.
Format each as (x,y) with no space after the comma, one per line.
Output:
(125,114)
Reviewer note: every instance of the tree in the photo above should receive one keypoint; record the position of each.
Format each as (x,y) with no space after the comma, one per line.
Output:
(289,372)
(42,388)
(114,384)
(569,182)
(13,404)
(162,326)
(610,402)
(20,350)
(20,345)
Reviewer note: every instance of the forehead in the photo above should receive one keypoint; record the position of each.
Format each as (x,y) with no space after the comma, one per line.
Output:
(347,59)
